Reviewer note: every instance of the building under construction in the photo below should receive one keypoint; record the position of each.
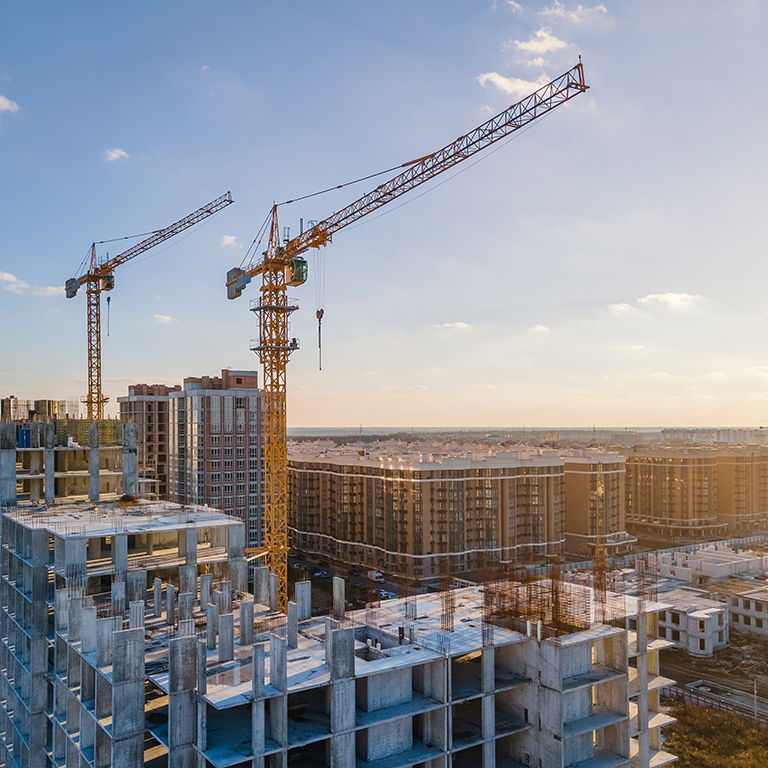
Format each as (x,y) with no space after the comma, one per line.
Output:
(130,637)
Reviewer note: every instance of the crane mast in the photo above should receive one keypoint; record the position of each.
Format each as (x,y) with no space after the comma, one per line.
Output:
(282,265)
(99,278)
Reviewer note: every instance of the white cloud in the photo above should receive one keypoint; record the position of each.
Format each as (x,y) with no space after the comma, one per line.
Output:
(543,41)
(116,154)
(456,326)
(6,105)
(539,329)
(672,300)
(622,309)
(14,285)
(514,86)
(480,385)
(577,15)
(165,319)
(230,240)
(516,7)
(407,388)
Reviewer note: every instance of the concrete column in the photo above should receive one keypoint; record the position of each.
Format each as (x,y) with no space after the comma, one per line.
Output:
(202,711)
(118,598)
(190,546)
(226,597)
(158,598)
(260,585)
(238,567)
(104,630)
(188,579)
(185,606)
(278,678)
(226,637)
(258,730)
(182,702)
(8,464)
(170,605)
(304,599)
(88,624)
(130,461)
(339,604)
(128,698)
(93,461)
(211,626)
(136,585)
(49,442)
(137,614)
(206,584)
(274,603)
(120,554)
(94,548)
(246,623)
(342,698)
(293,625)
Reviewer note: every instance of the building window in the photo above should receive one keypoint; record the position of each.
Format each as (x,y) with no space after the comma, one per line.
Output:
(747,621)
(662,632)
(701,626)
(746,604)
(759,623)
(676,618)
(676,635)
(702,645)
(720,619)
(720,636)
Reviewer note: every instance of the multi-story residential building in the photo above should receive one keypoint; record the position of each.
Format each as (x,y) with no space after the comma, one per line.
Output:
(693,621)
(672,493)
(130,639)
(215,446)
(407,513)
(742,488)
(711,435)
(584,505)
(147,407)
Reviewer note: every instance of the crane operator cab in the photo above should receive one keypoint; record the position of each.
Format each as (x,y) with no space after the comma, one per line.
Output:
(297,271)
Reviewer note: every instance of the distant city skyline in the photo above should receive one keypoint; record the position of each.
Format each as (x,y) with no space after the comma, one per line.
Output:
(604,268)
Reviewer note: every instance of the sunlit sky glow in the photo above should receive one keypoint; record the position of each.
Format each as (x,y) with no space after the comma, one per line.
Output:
(606,267)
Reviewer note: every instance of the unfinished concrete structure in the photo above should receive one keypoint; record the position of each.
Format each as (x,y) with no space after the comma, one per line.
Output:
(41,463)
(129,639)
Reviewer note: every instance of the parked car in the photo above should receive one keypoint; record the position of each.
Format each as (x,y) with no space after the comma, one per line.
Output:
(376,576)
(322,574)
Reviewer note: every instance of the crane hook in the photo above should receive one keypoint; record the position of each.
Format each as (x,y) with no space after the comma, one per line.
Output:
(319,315)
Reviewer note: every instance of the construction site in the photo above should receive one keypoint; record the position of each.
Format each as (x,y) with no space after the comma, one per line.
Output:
(131,636)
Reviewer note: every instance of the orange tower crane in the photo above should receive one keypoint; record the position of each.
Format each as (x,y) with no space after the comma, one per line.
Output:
(283,265)
(99,278)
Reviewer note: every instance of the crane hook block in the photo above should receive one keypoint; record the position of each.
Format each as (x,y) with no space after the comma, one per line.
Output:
(70,287)
(297,271)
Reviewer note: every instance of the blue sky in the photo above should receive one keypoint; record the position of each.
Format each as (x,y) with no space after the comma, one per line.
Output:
(606,267)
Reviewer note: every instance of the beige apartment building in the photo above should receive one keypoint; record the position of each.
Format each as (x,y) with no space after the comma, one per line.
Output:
(742,488)
(671,493)
(584,506)
(147,407)
(405,513)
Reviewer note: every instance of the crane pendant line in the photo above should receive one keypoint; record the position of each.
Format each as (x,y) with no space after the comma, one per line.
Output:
(274,346)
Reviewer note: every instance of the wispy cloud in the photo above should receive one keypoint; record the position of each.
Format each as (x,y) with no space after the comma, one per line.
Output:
(455,326)
(14,285)
(514,86)
(578,15)
(481,385)
(166,319)
(672,300)
(406,388)
(6,105)
(514,7)
(229,240)
(539,329)
(115,154)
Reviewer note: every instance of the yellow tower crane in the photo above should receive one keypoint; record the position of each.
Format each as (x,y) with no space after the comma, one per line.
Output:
(283,265)
(99,278)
